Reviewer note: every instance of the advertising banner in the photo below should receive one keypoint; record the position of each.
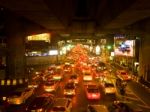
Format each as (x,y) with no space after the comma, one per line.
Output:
(124,47)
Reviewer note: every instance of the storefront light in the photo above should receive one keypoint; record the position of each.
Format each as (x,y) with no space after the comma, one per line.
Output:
(91,48)
(61,53)
(97,50)
(53,52)
(112,54)
(64,50)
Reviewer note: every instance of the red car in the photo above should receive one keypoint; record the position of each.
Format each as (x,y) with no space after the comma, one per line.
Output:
(123,75)
(92,92)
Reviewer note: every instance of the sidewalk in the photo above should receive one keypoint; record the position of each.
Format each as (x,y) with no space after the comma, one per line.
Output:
(145,84)
(135,78)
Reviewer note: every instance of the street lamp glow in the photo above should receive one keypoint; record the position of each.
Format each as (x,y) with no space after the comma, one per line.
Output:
(109,47)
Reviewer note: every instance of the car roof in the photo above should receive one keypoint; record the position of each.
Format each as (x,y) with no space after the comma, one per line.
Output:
(98,108)
(60,102)
(92,86)
(122,71)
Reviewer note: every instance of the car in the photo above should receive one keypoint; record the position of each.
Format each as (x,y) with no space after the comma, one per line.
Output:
(92,91)
(104,79)
(74,78)
(98,75)
(86,70)
(50,86)
(123,75)
(69,88)
(87,76)
(97,108)
(62,105)
(41,103)
(109,88)
(33,84)
(67,68)
(20,95)
(101,66)
(124,106)
(57,77)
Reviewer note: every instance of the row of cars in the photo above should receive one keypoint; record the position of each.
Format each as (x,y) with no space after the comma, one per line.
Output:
(48,103)
(56,104)
(93,91)
(64,104)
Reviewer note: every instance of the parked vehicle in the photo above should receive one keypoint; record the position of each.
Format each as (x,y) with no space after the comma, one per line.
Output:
(20,95)
(41,103)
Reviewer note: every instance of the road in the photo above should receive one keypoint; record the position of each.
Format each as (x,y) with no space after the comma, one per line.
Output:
(134,94)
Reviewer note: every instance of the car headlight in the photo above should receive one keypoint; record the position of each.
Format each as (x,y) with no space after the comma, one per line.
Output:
(40,110)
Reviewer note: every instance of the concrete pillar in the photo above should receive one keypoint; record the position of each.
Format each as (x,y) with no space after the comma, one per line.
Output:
(15,59)
(145,56)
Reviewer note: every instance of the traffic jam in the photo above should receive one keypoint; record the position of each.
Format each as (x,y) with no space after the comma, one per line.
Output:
(82,83)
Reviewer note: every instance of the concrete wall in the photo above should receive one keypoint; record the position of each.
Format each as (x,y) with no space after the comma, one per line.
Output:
(43,60)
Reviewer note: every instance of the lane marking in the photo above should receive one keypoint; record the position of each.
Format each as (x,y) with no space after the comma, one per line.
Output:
(139,98)
(148,107)
(135,99)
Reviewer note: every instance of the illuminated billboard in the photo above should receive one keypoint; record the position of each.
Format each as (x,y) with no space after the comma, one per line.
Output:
(53,52)
(38,37)
(123,47)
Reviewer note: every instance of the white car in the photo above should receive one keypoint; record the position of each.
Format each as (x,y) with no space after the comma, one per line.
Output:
(50,86)
(69,89)
(57,77)
(87,76)
(20,96)
(109,88)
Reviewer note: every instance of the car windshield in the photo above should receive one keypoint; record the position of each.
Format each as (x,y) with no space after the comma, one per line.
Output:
(92,109)
(109,85)
(59,109)
(69,86)
(73,77)
(123,73)
(93,90)
(49,83)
